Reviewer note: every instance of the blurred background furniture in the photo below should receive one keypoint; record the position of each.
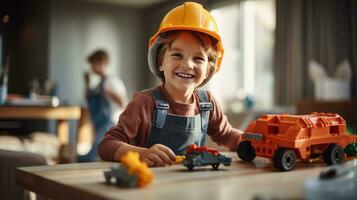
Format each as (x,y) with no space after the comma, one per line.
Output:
(61,114)
(9,160)
(347,109)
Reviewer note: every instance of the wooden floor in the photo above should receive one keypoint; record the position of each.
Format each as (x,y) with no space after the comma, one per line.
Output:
(241,180)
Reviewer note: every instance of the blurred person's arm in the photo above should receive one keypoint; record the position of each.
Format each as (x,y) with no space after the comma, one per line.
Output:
(86,83)
(118,99)
(115,90)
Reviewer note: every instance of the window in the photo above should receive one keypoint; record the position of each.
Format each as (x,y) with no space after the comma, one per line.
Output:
(334,130)
(273,130)
(247,31)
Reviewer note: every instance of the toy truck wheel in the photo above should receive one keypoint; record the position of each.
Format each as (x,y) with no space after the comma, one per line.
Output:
(190,167)
(333,154)
(107,176)
(215,166)
(246,151)
(284,159)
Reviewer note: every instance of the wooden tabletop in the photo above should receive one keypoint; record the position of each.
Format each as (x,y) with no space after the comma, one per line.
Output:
(241,180)
(61,114)
(40,112)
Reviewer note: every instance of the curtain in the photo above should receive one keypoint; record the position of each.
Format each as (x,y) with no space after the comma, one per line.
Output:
(320,30)
(288,55)
(353,46)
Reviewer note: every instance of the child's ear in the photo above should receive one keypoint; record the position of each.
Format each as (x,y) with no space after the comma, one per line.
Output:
(161,68)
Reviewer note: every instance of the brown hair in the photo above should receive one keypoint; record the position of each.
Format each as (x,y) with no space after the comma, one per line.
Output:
(98,56)
(207,42)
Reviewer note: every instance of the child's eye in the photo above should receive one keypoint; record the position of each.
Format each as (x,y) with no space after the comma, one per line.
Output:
(199,59)
(176,55)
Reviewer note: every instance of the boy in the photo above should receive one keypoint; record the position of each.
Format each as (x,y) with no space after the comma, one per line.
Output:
(161,122)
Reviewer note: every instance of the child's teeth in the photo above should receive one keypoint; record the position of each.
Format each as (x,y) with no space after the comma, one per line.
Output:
(185,75)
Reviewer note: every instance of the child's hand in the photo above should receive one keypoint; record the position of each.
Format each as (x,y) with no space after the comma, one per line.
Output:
(158,155)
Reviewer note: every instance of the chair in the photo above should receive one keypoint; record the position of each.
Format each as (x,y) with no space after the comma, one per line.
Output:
(9,161)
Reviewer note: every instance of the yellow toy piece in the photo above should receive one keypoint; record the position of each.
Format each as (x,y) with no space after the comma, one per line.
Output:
(131,161)
(179,159)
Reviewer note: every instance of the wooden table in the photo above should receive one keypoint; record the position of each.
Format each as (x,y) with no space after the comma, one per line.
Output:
(241,180)
(61,114)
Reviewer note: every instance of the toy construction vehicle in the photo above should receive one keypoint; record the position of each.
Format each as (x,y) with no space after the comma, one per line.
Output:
(202,156)
(287,138)
(131,173)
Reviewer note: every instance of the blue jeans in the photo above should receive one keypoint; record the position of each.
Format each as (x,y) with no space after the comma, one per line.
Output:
(99,134)
(100,113)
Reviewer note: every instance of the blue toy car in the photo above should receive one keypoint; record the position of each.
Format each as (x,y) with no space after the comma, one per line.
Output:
(203,156)
(121,175)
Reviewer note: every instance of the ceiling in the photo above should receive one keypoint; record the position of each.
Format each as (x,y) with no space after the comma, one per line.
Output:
(131,3)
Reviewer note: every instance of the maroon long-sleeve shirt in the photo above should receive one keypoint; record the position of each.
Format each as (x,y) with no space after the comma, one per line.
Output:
(135,123)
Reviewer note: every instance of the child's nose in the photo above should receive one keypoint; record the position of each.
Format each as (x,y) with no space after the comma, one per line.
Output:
(189,64)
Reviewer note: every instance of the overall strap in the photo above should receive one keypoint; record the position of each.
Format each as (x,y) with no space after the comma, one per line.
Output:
(161,108)
(205,107)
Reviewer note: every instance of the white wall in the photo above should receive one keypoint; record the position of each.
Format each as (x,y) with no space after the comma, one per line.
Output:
(76,29)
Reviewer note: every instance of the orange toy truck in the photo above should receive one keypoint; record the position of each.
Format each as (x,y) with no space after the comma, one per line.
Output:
(287,138)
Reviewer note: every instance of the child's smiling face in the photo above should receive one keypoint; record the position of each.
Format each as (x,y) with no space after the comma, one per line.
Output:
(185,64)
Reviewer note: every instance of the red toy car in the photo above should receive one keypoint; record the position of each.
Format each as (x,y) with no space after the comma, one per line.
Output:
(202,156)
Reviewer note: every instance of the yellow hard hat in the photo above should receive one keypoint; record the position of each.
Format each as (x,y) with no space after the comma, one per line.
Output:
(188,16)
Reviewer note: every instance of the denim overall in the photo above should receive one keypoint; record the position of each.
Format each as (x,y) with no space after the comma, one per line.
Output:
(175,131)
(101,115)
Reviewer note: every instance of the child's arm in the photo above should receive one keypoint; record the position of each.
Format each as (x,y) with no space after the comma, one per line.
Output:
(157,155)
(131,133)
(219,128)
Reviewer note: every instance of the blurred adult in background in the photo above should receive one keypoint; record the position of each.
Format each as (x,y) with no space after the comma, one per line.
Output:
(105,101)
